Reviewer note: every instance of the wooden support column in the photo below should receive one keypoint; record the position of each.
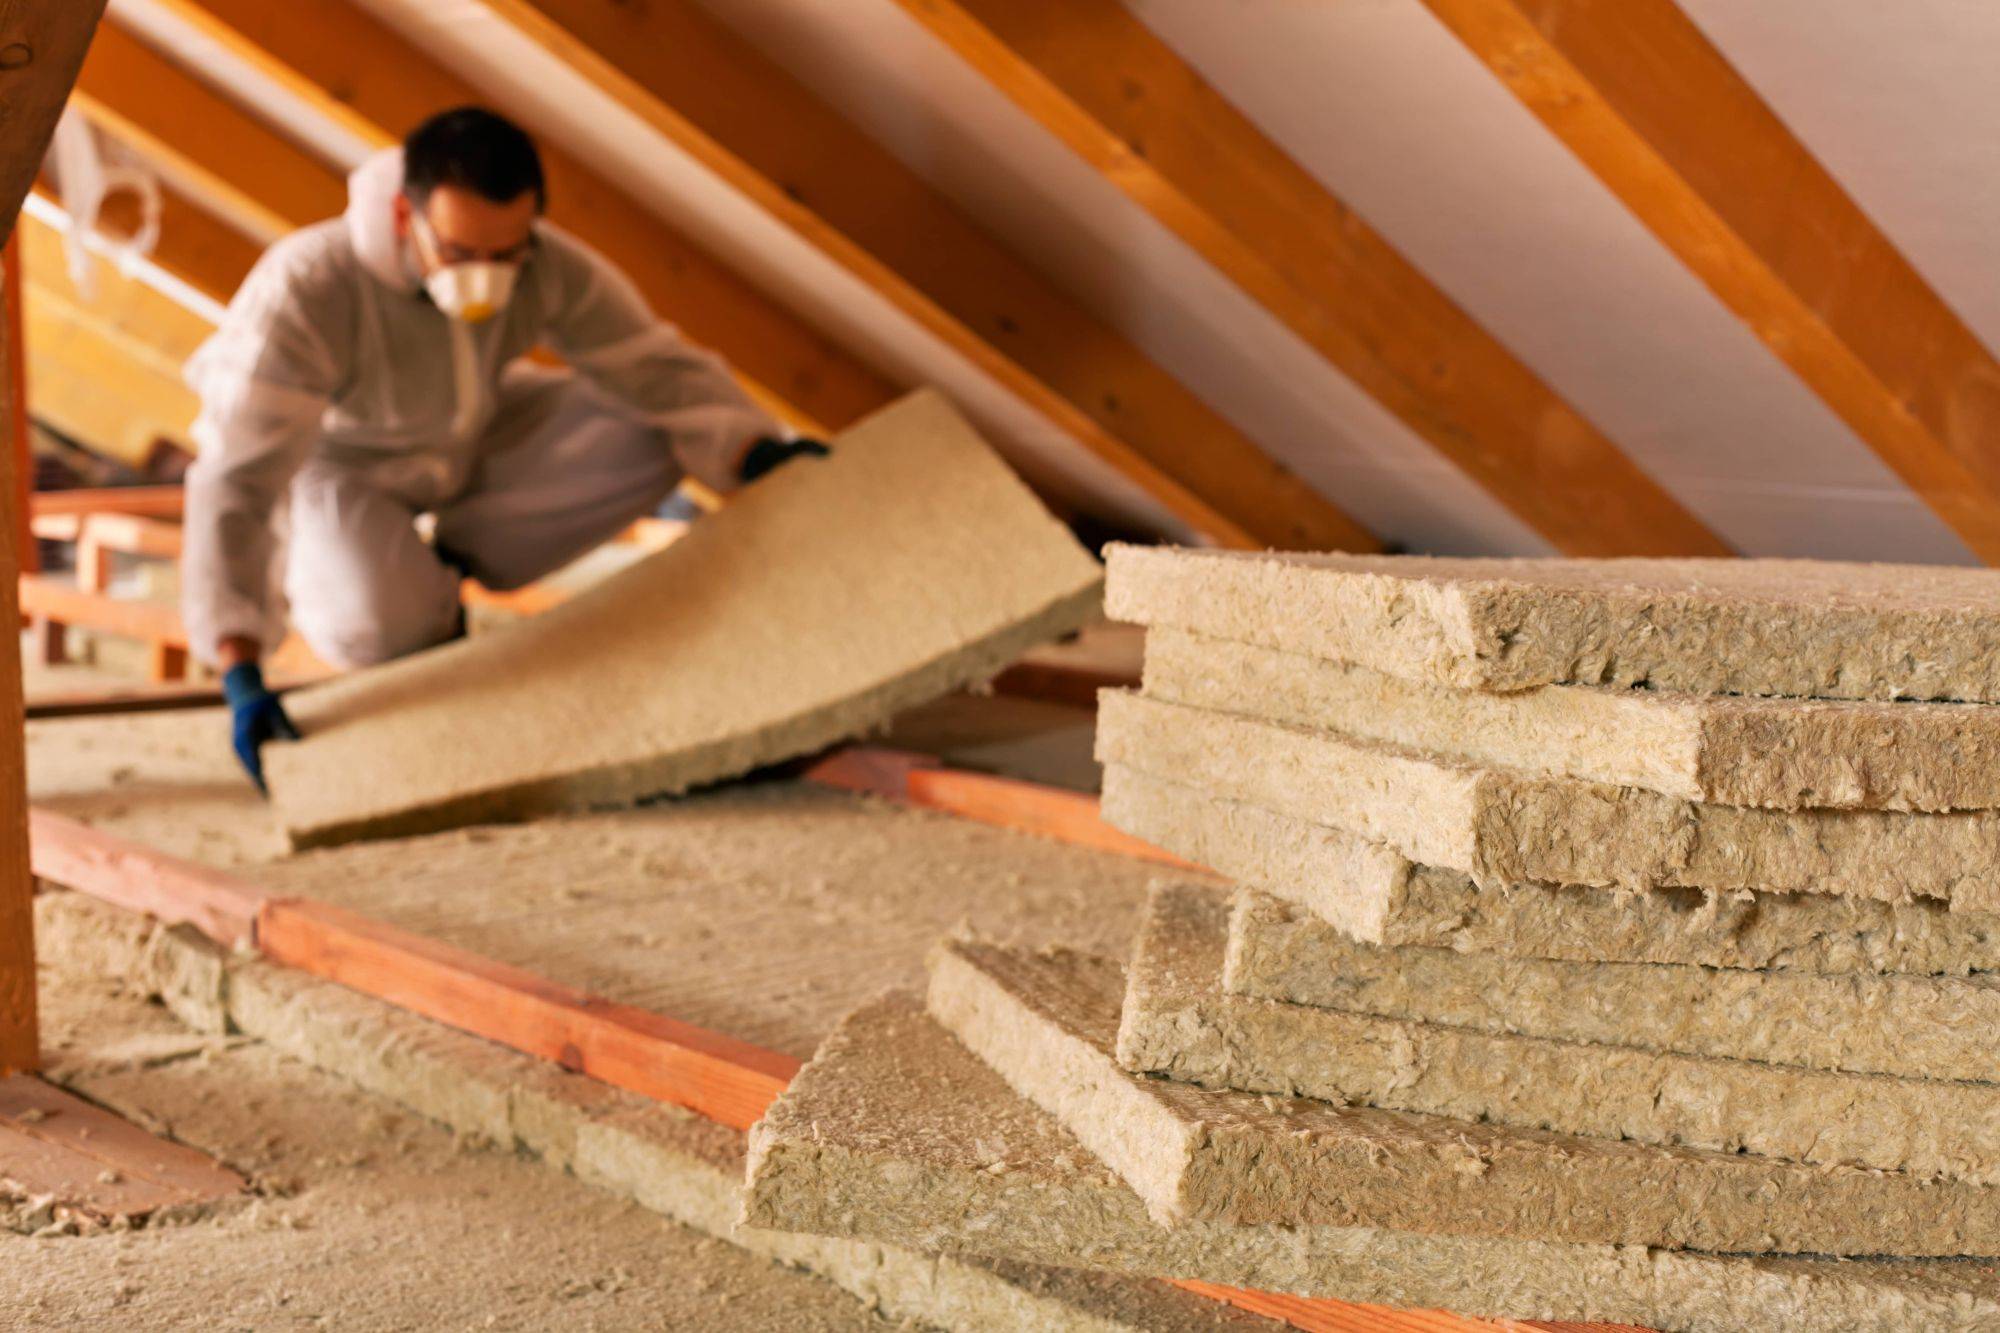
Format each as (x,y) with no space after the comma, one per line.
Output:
(41,45)
(18,1029)
(16,423)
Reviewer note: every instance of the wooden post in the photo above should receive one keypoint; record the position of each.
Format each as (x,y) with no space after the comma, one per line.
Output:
(41,46)
(18,1031)
(16,423)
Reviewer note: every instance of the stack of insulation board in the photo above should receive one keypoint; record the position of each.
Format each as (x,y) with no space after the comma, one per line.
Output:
(1610,940)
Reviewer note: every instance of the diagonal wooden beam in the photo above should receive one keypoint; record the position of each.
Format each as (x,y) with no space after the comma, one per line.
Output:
(90,386)
(259,180)
(156,327)
(363,75)
(195,246)
(1100,81)
(41,46)
(105,371)
(708,91)
(1648,103)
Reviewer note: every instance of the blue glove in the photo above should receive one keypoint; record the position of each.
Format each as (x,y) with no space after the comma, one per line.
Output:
(767,453)
(255,716)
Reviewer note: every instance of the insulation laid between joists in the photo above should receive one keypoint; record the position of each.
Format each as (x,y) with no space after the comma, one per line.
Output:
(1811,629)
(817,604)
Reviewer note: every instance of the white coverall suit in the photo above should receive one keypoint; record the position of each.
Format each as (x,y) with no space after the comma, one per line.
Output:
(334,382)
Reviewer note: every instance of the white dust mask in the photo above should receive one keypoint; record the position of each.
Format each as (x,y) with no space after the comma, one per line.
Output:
(471,290)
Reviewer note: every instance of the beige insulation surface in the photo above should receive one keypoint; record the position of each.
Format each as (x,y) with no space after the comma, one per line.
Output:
(665,1159)
(1047,1023)
(813,607)
(1372,893)
(1781,753)
(764,911)
(1501,826)
(1916,1027)
(1178,1021)
(897,1133)
(1774,627)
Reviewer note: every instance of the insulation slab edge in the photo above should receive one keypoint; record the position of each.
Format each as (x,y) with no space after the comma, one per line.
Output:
(1373,894)
(896,1133)
(1501,826)
(1910,1027)
(1179,1022)
(1788,754)
(1047,1021)
(912,559)
(1797,628)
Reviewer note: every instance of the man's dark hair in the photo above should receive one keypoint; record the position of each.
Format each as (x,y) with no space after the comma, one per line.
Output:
(476,150)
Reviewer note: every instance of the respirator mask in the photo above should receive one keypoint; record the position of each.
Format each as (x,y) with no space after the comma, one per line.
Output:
(472,290)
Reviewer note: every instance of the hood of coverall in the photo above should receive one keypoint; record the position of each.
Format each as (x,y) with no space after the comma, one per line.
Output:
(372,188)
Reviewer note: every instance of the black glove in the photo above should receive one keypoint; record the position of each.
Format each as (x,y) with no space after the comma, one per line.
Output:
(255,716)
(768,453)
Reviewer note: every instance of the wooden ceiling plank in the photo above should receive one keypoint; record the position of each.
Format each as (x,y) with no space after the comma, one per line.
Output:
(1118,96)
(1648,103)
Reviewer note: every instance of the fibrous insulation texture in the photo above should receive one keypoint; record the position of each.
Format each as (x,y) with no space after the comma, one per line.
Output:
(1178,1021)
(1788,754)
(815,605)
(1859,1022)
(1802,628)
(896,1133)
(1502,826)
(1373,894)
(1047,1022)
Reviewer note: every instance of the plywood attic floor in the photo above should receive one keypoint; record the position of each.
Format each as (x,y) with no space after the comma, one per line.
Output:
(364,1216)
(762,910)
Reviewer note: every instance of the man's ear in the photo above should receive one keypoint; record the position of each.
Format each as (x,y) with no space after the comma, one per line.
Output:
(400,209)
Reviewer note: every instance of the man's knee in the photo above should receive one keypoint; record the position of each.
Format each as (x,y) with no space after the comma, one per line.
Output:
(380,625)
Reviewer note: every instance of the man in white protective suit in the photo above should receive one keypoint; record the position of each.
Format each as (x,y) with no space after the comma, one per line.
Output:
(371,371)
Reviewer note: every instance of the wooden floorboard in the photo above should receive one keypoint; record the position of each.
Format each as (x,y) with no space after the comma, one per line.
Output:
(93,1164)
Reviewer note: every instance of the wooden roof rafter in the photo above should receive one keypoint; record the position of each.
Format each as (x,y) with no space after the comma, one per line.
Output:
(713,95)
(1093,75)
(1658,114)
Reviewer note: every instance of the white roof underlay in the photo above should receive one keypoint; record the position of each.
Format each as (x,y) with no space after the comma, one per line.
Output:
(1400,121)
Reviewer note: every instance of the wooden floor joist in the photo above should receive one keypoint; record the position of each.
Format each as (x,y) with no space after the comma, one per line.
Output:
(140,699)
(1026,807)
(659,1057)
(726,1080)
